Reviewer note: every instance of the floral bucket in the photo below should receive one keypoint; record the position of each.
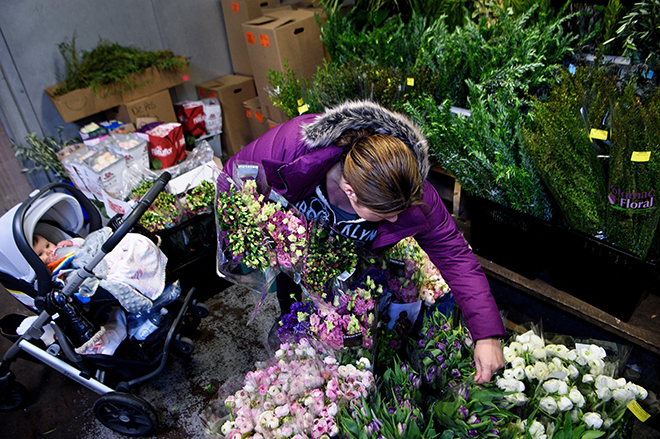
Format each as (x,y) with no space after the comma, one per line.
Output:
(395,309)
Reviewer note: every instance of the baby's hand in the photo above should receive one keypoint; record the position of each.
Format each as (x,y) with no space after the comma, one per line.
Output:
(65,243)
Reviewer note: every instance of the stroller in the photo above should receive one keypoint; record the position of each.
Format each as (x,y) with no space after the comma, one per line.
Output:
(56,212)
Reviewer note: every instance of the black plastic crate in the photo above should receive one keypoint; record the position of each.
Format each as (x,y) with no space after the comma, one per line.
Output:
(600,273)
(512,239)
(189,241)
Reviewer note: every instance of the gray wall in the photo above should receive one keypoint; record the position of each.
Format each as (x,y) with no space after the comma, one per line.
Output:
(30,60)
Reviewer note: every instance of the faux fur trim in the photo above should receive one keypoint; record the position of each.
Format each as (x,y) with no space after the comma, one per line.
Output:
(367,114)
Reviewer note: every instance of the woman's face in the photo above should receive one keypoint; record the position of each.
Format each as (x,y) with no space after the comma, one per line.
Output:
(370,215)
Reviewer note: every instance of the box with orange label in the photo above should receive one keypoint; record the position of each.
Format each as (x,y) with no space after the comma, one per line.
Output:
(231,91)
(237,12)
(255,116)
(291,35)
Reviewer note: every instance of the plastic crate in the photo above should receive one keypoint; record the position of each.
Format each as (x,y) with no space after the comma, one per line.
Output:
(189,241)
(512,239)
(600,273)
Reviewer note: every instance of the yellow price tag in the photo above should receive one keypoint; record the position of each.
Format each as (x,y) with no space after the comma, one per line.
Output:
(638,411)
(598,134)
(303,108)
(300,102)
(410,82)
(640,156)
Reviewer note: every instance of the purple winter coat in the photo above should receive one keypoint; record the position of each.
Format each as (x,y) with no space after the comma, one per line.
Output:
(296,156)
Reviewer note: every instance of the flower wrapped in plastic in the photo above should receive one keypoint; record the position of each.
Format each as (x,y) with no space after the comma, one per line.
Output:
(567,387)
(329,256)
(163,213)
(199,199)
(413,280)
(297,394)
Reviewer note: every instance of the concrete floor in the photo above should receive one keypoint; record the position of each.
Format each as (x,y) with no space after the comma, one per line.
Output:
(225,348)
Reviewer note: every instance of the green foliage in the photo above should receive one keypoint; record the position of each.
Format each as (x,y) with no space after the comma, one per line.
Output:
(42,153)
(110,63)
(559,143)
(635,128)
(640,29)
(485,152)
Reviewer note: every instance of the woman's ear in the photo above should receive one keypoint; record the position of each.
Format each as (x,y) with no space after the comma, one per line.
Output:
(348,190)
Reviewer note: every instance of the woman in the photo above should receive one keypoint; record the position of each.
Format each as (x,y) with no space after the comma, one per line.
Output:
(364,168)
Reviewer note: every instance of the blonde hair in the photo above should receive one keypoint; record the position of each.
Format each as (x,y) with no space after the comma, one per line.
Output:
(382,171)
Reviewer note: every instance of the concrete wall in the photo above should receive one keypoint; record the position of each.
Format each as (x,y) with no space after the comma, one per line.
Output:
(31,31)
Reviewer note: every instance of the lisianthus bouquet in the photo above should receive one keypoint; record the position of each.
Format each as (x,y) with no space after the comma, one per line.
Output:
(297,396)
(412,274)
(565,389)
(329,256)
(346,321)
(199,200)
(163,212)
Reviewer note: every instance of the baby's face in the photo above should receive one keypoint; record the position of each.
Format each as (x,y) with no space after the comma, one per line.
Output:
(43,248)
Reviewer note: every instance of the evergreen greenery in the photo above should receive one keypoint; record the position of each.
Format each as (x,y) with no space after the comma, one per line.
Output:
(42,153)
(110,63)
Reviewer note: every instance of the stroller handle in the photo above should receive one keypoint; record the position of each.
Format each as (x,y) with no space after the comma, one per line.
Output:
(128,222)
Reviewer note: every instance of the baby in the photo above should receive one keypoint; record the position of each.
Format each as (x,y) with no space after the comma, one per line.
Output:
(47,251)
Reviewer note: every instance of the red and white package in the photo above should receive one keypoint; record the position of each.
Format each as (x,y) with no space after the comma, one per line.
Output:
(191,116)
(167,147)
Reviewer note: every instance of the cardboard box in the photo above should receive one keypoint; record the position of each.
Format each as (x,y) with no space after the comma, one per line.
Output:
(255,116)
(231,91)
(158,106)
(293,36)
(271,123)
(81,103)
(237,12)
(270,110)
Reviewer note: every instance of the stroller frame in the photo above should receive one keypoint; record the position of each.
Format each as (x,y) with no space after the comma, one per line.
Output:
(117,409)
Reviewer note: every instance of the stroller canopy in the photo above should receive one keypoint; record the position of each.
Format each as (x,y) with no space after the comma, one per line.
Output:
(56,217)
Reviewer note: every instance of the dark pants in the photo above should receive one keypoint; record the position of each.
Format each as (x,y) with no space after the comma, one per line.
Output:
(286,287)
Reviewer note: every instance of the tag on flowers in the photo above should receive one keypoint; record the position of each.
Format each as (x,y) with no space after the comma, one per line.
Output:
(638,411)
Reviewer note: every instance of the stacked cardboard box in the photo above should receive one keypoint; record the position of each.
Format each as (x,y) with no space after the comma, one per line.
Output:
(231,91)
(282,36)
(255,116)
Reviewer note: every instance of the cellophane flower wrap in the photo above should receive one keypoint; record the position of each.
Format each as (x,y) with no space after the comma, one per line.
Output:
(296,395)
(413,276)
(244,254)
(345,318)
(565,387)
(329,256)
(199,199)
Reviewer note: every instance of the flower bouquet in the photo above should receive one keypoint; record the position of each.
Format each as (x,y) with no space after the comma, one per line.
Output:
(257,237)
(297,395)
(329,256)
(163,213)
(414,280)
(199,200)
(566,391)
(345,321)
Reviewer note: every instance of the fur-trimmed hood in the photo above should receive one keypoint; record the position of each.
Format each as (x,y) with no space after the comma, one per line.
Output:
(366,114)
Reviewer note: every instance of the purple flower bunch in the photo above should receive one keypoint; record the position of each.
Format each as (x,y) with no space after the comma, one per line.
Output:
(289,234)
(298,396)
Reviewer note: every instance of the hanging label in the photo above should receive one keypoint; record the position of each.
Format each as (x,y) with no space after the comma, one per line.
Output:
(571,69)
(640,156)
(397,267)
(410,82)
(300,102)
(303,108)
(638,411)
(598,134)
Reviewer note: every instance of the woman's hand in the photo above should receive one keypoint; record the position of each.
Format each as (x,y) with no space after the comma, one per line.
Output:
(488,358)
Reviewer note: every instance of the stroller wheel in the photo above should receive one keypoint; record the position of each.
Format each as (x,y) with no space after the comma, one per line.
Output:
(199,309)
(184,345)
(126,414)
(13,396)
